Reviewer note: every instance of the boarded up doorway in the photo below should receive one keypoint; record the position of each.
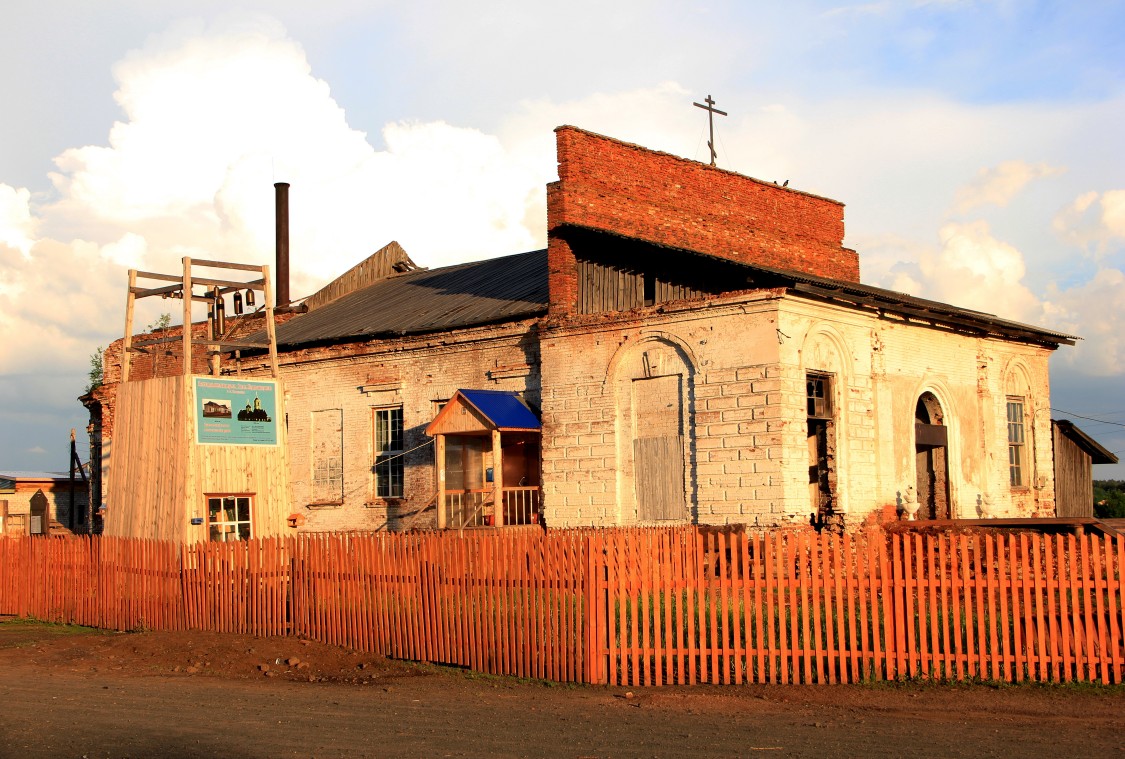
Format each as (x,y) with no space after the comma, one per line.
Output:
(931,443)
(658,448)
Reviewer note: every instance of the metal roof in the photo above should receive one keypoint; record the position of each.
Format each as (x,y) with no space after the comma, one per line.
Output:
(503,408)
(515,287)
(876,298)
(1098,454)
(429,300)
(20,475)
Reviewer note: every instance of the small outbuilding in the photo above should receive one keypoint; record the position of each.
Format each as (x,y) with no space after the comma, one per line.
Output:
(1075,454)
(38,503)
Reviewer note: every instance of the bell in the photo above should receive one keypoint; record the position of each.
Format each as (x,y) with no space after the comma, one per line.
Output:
(219,322)
(238,303)
(249,297)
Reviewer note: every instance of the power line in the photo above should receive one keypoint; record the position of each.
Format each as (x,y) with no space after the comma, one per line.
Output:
(1088,418)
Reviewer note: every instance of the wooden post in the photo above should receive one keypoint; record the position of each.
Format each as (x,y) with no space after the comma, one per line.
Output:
(187,317)
(497,481)
(270,326)
(439,454)
(73,455)
(213,350)
(127,345)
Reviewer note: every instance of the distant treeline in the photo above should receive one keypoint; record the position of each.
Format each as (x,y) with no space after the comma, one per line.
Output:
(1109,499)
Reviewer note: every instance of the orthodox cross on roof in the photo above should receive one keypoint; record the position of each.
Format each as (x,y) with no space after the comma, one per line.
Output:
(711,111)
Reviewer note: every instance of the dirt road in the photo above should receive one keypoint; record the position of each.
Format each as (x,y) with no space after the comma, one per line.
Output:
(200,695)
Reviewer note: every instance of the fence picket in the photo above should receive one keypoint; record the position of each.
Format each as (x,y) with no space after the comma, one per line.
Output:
(635,606)
(1113,591)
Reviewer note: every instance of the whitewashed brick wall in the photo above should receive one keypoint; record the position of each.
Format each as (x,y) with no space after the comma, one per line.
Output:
(411,372)
(747,454)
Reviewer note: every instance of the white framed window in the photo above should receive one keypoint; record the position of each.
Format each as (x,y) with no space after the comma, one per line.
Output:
(229,518)
(387,426)
(1017,445)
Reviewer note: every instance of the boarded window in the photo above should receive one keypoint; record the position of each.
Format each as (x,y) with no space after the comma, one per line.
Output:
(658,448)
(328,456)
(388,452)
(1016,442)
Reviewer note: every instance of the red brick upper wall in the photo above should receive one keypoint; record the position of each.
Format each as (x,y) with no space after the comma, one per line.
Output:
(617,187)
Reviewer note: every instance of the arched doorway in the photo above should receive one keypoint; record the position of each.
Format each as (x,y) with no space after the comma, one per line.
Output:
(655,477)
(931,443)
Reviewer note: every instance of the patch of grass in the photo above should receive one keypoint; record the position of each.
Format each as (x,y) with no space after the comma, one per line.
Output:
(18,632)
(1051,686)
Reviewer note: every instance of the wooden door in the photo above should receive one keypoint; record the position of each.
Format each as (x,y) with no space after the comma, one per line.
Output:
(40,514)
(658,448)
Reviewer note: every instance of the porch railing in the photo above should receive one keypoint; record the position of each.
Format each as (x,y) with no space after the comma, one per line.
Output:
(465,508)
(521,505)
(474,508)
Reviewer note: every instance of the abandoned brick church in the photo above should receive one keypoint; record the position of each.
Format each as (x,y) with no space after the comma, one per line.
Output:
(694,345)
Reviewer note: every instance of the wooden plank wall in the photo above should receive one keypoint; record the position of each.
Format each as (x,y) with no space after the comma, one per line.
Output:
(158,477)
(1074,478)
(666,291)
(608,288)
(643,606)
(146,475)
(602,287)
(379,265)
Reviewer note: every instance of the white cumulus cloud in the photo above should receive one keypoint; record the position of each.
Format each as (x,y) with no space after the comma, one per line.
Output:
(973,269)
(17,227)
(1113,213)
(1094,310)
(1093,220)
(998,184)
(213,116)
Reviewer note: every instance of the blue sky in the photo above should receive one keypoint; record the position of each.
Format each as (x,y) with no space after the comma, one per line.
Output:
(976,145)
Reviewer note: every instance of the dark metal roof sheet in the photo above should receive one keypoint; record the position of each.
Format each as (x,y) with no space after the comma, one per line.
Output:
(21,475)
(429,300)
(503,408)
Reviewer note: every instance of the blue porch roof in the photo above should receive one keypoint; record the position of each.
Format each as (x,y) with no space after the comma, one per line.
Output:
(504,409)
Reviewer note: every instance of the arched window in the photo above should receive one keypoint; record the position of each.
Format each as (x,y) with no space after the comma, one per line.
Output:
(1017,410)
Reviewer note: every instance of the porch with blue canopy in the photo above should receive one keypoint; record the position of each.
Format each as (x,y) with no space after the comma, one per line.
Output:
(487,445)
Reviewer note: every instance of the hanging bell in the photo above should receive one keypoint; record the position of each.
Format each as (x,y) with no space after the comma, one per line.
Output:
(219,324)
(250,298)
(238,303)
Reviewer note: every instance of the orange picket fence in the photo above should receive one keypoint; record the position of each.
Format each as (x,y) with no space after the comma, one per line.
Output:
(688,606)
(646,606)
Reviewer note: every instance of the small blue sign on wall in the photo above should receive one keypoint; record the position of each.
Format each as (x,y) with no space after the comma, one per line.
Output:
(235,412)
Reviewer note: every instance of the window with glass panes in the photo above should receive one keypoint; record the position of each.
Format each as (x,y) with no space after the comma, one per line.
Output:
(228,517)
(388,452)
(818,395)
(1016,441)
